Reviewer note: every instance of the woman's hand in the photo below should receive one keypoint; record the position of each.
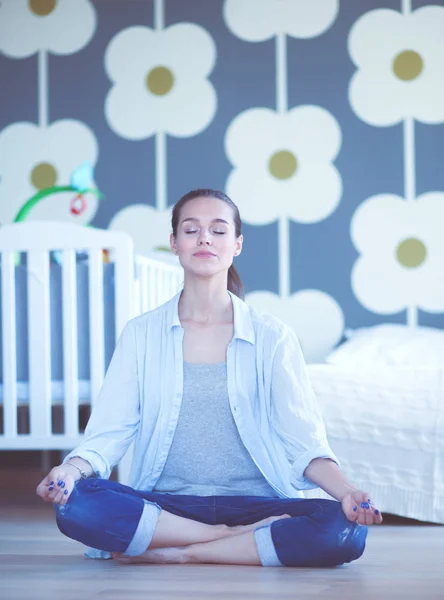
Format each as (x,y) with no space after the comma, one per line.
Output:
(57,486)
(357,507)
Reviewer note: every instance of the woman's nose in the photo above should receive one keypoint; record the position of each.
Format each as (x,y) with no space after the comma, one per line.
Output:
(204,238)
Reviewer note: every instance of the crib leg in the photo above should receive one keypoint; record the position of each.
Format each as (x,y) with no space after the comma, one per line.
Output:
(45,461)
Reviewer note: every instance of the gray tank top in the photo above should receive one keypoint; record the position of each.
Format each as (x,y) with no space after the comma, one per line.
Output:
(207,456)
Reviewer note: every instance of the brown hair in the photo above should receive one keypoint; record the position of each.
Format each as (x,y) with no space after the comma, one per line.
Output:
(234,282)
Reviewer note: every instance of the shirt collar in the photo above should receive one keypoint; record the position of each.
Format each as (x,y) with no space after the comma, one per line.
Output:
(243,325)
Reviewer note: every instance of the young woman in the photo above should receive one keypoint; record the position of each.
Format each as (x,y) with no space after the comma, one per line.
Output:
(226,429)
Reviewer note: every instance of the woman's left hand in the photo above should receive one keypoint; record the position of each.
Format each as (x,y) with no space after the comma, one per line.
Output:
(357,507)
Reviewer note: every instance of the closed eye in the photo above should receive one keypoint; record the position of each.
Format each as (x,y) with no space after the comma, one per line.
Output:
(195,231)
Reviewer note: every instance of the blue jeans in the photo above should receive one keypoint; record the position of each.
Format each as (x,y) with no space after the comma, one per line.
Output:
(113,517)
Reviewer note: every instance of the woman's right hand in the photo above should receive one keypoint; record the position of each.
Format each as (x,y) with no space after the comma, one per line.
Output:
(58,485)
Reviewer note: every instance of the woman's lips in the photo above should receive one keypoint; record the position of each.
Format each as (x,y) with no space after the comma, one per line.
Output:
(204,254)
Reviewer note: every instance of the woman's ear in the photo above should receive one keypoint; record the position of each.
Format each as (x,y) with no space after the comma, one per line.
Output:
(238,247)
(173,244)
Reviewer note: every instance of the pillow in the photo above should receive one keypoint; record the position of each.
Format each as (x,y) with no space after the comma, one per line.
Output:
(391,344)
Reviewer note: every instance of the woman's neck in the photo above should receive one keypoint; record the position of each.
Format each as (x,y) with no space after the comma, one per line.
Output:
(203,304)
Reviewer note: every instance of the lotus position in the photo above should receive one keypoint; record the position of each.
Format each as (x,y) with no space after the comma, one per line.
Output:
(226,431)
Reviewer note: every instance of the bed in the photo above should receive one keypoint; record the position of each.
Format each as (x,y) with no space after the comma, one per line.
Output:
(382,398)
(66,293)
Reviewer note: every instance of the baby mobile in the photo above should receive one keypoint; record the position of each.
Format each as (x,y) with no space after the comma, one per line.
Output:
(81,180)
(81,184)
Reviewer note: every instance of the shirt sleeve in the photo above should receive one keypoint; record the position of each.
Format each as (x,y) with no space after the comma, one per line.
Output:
(115,417)
(295,414)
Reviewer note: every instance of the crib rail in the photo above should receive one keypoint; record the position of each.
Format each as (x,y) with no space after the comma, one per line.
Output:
(156,283)
(9,342)
(140,284)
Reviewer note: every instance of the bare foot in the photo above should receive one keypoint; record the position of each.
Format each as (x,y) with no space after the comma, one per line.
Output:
(158,556)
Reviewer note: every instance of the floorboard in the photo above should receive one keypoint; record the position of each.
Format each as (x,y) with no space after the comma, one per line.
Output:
(38,563)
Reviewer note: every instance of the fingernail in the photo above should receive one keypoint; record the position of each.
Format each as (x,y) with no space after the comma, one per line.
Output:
(51,483)
(376,511)
(62,485)
(355,508)
(51,488)
(65,492)
(362,505)
(59,482)
(367,505)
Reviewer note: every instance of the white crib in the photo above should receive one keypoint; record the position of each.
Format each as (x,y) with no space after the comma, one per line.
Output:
(140,284)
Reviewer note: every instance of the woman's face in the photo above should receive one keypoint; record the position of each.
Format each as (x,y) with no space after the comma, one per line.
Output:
(206,239)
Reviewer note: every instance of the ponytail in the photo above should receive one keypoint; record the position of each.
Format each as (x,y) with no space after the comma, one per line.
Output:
(234,284)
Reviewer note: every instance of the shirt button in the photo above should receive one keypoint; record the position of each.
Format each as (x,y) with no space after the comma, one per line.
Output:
(235,408)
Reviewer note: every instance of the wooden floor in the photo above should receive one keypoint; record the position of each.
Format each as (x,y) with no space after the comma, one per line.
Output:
(38,562)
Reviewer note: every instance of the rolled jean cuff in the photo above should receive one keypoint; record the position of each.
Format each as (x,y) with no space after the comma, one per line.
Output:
(265,547)
(145,530)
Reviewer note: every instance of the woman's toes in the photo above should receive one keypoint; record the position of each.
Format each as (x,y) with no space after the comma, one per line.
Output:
(274,518)
(237,529)
(277,518)
(120,557)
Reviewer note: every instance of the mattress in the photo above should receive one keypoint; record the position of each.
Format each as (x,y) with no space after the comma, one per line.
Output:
(57,392)
(386,426)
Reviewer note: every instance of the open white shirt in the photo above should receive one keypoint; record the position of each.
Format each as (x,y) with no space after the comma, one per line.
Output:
(270,395)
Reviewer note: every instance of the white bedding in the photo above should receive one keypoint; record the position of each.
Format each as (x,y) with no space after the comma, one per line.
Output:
(386,426)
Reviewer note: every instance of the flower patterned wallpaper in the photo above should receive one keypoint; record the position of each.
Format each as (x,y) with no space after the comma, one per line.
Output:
(323,120)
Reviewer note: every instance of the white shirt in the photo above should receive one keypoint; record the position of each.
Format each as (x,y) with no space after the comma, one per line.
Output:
(270,395)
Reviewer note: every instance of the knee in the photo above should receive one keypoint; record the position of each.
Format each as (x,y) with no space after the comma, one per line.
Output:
(356,542)
(343,540)
(77,510)
(354,545)
(65,513)
(346,542)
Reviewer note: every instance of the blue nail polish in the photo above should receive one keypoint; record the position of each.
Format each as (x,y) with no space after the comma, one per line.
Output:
(65,492)
(51,488)
(355,508)
(376,511)
(59,482)
(62,485)
(367,505)
(51,483)
(362,505)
